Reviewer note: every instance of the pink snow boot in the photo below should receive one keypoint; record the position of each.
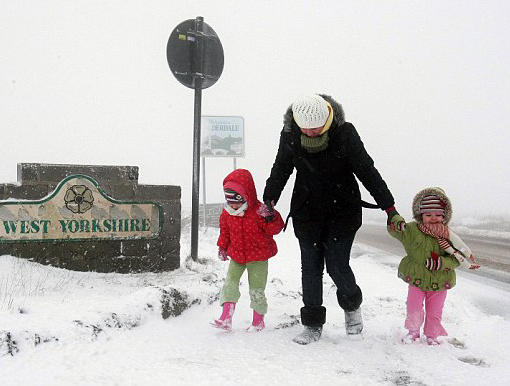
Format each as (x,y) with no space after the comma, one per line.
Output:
(411,336)
(225,320)
(432,341)
(257,324)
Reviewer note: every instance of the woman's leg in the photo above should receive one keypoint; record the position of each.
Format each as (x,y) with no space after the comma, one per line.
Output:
(337,254)
(313,314)
(312,268)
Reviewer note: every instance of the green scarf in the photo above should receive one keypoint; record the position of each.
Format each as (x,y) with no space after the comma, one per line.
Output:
(315,144)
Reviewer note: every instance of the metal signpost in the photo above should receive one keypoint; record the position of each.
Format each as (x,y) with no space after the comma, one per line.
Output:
(195,56)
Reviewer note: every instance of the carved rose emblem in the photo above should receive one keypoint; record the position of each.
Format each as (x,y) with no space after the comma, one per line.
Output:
(78,199)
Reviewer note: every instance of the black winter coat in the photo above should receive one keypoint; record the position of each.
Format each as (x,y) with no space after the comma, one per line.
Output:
(326,197)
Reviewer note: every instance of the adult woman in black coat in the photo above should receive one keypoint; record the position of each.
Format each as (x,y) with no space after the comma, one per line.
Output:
(327,154)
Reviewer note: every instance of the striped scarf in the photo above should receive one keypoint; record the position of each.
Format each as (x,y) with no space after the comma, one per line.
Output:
(438,231)
(451,244)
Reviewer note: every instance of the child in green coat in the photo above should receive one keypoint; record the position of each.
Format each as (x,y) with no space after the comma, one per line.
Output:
(433,252)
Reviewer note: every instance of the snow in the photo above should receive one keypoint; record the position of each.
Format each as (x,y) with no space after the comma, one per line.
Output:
(463,230)
(85,328)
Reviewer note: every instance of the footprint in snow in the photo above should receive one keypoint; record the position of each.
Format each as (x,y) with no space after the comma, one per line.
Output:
(474,361)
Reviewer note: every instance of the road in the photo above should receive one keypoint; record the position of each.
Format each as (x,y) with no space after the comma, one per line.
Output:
(492,254)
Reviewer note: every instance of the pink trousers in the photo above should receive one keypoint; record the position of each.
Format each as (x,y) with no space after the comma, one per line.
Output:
(434,302)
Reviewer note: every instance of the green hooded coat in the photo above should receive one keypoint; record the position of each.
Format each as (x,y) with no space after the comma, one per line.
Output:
(419,247)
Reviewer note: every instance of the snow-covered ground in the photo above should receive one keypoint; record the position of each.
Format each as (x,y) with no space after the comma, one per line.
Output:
(60,327)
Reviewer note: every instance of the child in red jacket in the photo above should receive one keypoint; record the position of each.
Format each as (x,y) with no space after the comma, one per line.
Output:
(247,227)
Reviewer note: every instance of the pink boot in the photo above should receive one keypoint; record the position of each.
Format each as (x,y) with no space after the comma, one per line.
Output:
(225,320)
(410,337)
(258,323)
(432,341)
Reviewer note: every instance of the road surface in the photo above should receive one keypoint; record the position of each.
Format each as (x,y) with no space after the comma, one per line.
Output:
(492,254)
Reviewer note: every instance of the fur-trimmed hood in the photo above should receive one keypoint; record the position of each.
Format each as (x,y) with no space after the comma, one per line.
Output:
(338,114)
(432,191)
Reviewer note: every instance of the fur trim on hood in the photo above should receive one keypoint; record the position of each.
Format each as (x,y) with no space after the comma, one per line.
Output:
(338,114)
(437,192)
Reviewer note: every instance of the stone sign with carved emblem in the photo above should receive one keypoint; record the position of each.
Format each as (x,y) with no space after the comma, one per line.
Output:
(78,209)
(90,218)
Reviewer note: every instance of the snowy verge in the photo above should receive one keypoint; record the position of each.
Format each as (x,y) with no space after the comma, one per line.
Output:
(61,327)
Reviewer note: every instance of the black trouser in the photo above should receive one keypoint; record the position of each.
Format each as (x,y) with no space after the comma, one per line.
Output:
(334,252)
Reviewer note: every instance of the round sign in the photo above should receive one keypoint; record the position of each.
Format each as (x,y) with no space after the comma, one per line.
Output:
(195,54)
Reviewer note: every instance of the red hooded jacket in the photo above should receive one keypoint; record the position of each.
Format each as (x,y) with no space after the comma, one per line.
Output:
(248,238)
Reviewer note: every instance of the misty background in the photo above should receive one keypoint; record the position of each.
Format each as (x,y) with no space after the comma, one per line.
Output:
(426,84)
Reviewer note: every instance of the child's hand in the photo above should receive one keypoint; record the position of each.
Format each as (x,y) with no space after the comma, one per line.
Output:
(466,263)
(474,264)
(391,211)
(400,227)
(266,210)
(433,263)
(222,254)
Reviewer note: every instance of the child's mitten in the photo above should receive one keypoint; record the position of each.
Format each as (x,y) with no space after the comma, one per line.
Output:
(391,211)
(400,226)
(266,210)
(222,254)
(474,264)
(433,263)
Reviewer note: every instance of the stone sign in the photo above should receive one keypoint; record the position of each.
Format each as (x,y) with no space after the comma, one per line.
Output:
(78,209)
(90,218)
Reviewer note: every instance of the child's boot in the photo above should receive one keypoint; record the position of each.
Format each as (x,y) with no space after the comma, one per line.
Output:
(410,337)
(432,341)
(225,320)
(258,323)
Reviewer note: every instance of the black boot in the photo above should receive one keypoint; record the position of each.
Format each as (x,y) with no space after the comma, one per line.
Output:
(312,319)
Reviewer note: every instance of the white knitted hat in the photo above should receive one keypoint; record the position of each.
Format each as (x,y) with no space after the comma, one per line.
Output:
(310,111)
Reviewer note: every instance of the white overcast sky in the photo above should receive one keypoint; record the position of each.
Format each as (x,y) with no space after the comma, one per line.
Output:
(427,85)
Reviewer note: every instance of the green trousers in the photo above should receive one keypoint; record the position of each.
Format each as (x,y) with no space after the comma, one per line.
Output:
(257,279)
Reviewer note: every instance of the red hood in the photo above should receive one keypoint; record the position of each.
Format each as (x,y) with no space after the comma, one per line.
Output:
(244,178)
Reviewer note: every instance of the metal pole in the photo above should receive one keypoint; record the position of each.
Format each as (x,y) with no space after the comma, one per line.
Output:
(196,143)
(204,201)
(235,163)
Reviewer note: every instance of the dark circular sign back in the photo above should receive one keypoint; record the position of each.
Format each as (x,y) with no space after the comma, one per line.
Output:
(193,54)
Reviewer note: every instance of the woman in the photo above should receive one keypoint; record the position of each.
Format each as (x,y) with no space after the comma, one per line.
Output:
(327,154)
